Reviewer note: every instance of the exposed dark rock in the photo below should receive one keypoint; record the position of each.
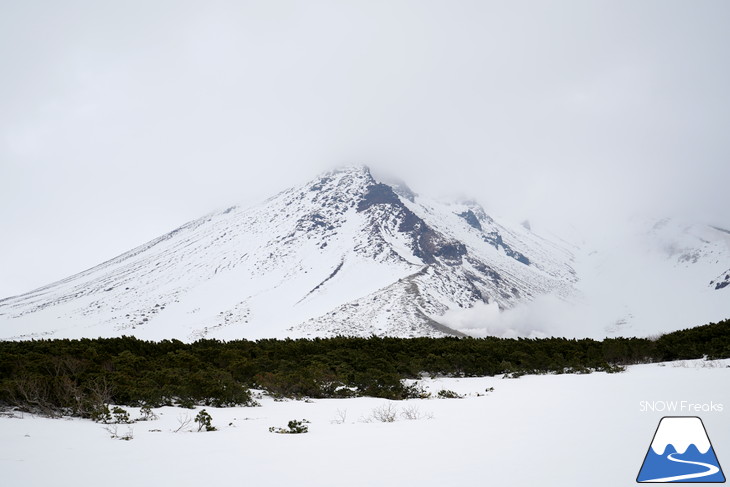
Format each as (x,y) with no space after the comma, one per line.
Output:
(450,250)
(475,292)
(320,184)
(313,221)
(471,219)
(332,274)
(721,281)
(478,211)
(427,244)
(485,270)
(495,239)
(378,194)
(402,190)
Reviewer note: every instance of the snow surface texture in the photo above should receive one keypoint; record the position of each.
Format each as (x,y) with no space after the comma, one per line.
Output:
(564,430)
(345,254)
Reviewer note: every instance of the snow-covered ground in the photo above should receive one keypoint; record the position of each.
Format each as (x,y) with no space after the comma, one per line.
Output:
(586,430)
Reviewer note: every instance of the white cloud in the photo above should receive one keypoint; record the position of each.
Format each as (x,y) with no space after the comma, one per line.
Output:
(544,316)
(121,121)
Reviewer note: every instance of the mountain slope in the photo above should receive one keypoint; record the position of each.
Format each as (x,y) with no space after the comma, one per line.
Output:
(641,277)
(348,254)
(342,254)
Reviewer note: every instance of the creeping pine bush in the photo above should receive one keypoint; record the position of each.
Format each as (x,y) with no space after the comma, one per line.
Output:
(116,415)
(414,391)
(146,413)
(120,415)
(294,427)
(204,420)
(614,369)
(102,414)
(448,394)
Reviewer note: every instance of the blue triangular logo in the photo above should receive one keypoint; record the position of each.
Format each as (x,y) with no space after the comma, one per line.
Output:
(681,452)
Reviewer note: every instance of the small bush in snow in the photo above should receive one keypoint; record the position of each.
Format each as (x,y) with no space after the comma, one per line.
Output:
(146,413)
(294,427)
(113,431)
(387,413)
(513,375)
(340,417)
(183,421)
(614,369)
(204,420)
(102,414)
(411,412)
(448,394)
(115,415)
(415,391)
(120,415)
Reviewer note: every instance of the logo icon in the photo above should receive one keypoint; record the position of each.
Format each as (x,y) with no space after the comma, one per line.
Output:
(680,452)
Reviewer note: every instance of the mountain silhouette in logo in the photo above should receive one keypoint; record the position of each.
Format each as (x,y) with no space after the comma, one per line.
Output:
(681,452)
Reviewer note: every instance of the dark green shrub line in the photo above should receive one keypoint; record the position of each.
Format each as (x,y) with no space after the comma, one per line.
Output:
(81,377)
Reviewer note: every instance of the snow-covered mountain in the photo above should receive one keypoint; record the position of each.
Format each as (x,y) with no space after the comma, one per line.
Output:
(636,277)
(657,276)
(348,254)
(342,254)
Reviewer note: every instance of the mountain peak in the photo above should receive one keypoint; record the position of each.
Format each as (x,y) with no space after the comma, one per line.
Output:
(341,254)
(361,170)
(357,176)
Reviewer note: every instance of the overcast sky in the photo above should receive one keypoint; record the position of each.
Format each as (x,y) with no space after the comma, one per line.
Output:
(122,120)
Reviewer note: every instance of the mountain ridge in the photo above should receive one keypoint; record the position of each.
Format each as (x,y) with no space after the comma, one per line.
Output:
(341,223)
(348,254)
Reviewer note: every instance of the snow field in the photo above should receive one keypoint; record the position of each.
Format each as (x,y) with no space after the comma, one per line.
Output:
(547,430)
